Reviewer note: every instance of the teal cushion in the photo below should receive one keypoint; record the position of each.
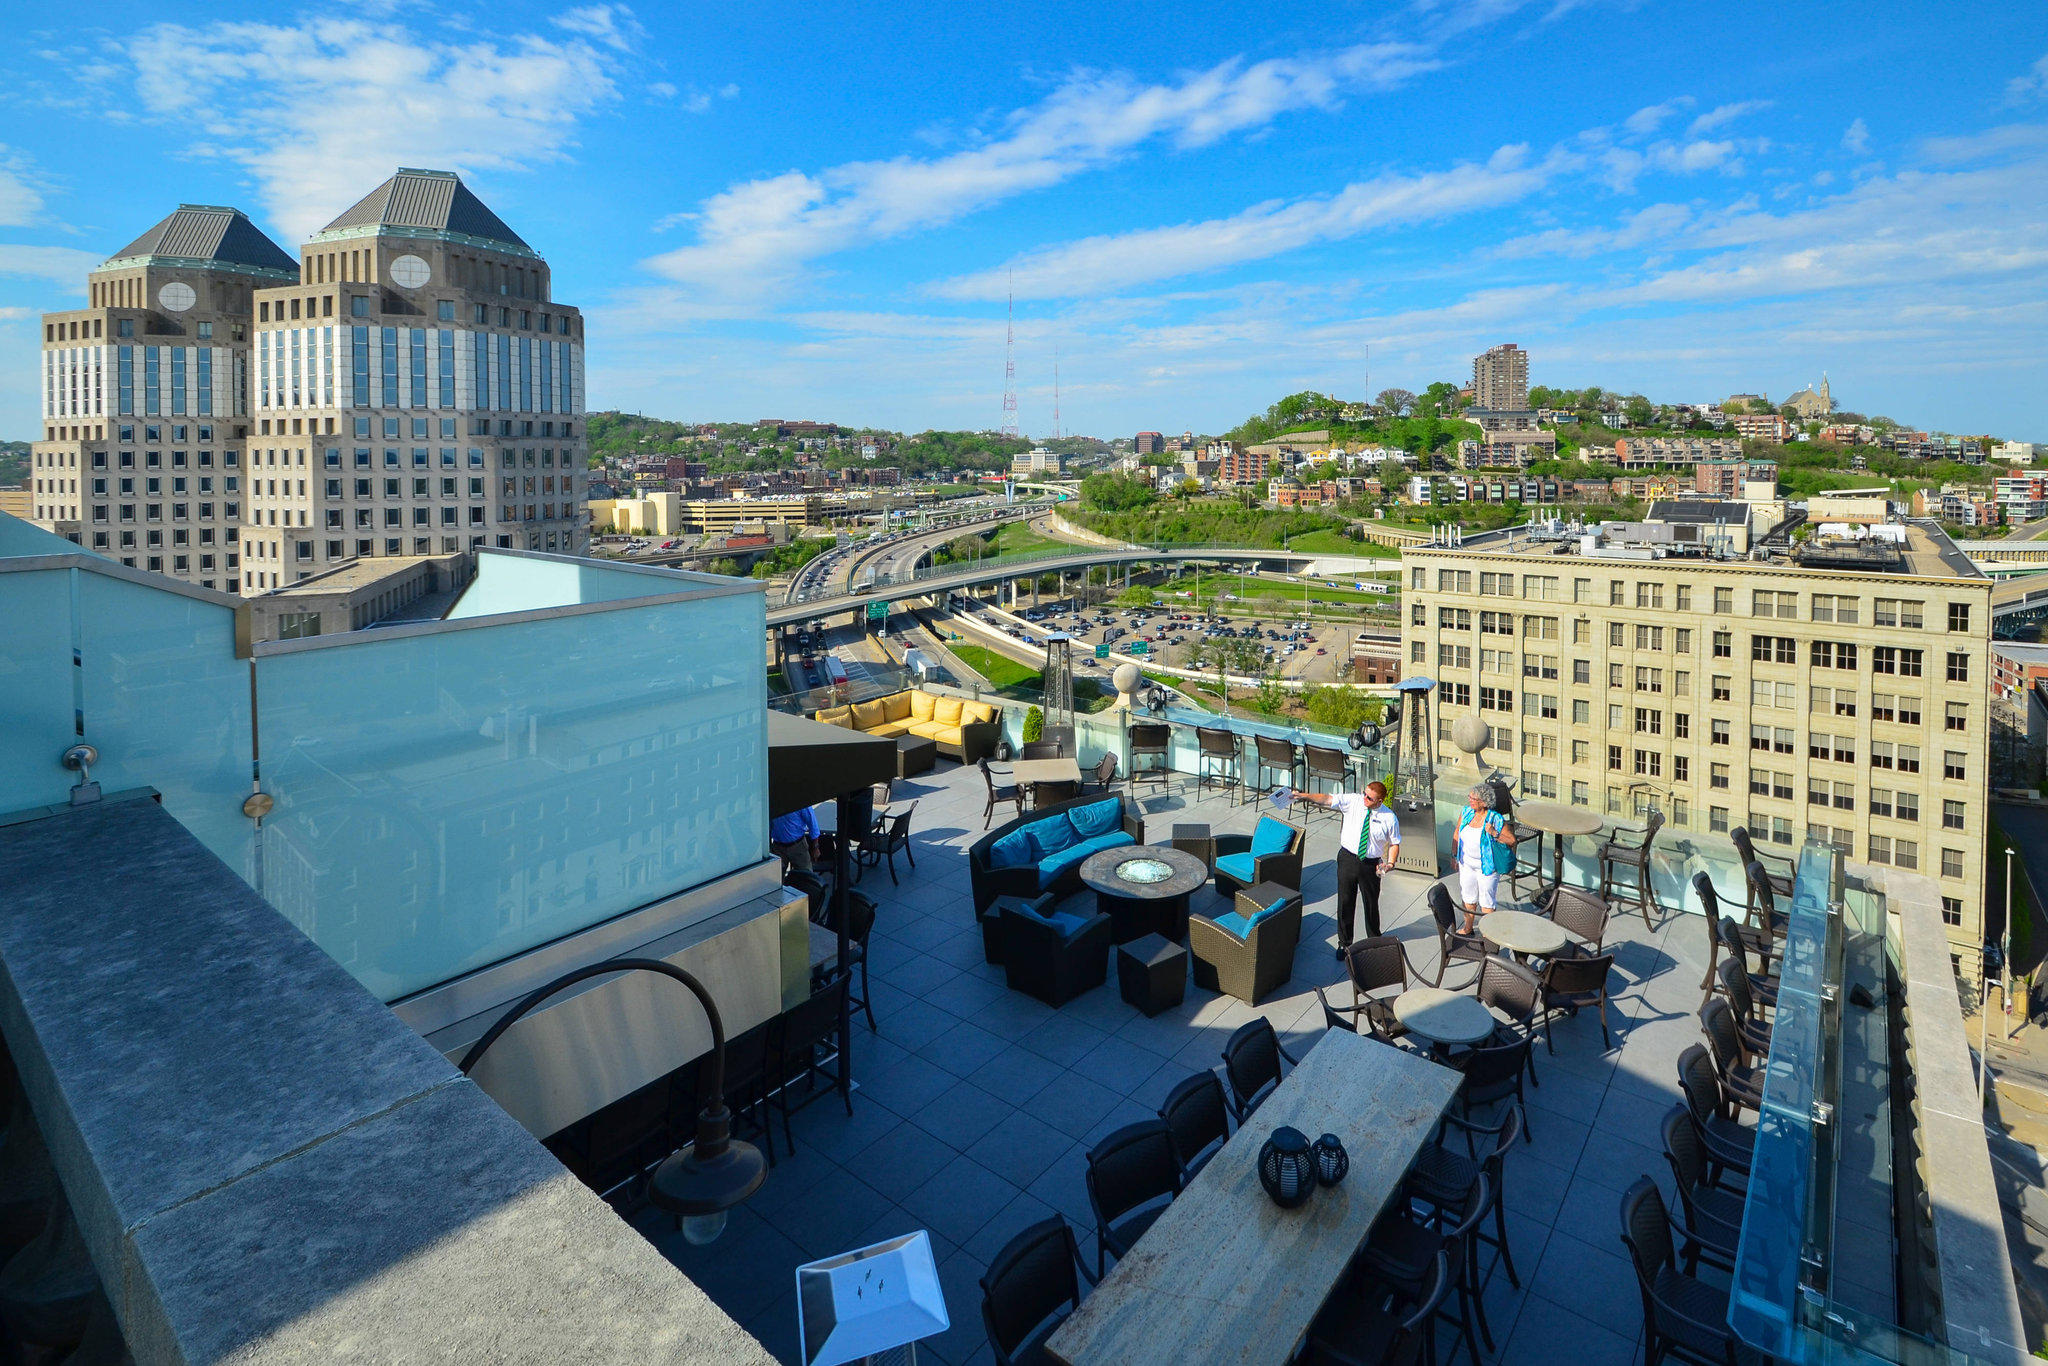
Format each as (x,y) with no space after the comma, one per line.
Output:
(1235,923)
(1067,925)
(1013,850)
(1269,910)
(1271,837)
(1059,860)
(1051,835)
(1097,818)
(1238,866)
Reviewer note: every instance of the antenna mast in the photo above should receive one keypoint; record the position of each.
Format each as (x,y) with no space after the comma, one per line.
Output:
(1010,369)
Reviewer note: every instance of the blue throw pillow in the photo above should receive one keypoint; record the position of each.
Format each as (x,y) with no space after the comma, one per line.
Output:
(1013,850)
(1270,910)
(1097,818)
(1067,924)
(1050,835)
(1271,837)
(1235,923)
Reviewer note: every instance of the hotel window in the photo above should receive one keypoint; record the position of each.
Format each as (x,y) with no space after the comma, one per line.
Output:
(1453,580)
(1496,699)
(1616,593)
(1958,666)
(1458,694)
(1614,716)
(1447,618)
(1724,645)
(1614,758)
(1418,651)
(1650,595)
(1829,654)
(1952,765)
(1957,716)
(1649,721)
(1784,605)
(1649,637)
(1906,853)
(1682,600)
(1896,612)
(1648,679)
(1617,634)
(1892,659)
(1951,815)
(1581,753)
(1496,623)
(1539,628)
(1951,910)
(1718,732)
(1582,712)
(1840,749)
(1830,607)
(1959,616)
(1418,578)
(1681,768)
(1581,794)
(1773,650)
(1539,587)
(1717,820)
(1496,585)
(1539,666)
(1649,763)
(1724,602)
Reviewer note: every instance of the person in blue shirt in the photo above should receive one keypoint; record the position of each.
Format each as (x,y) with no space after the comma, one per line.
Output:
(792,837)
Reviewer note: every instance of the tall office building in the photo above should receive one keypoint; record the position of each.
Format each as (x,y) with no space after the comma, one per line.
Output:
(1835,690)
(1500,379)
(419,391)
(145,398)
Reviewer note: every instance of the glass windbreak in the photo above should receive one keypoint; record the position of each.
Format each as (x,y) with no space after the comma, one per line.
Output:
(449,799)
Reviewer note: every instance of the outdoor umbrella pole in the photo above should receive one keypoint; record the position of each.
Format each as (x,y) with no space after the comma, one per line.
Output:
(840,915)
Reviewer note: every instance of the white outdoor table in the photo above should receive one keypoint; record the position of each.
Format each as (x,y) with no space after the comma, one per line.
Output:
(1444,1016)
(1522,932)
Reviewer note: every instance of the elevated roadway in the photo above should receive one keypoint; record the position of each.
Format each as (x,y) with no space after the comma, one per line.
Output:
(920,581)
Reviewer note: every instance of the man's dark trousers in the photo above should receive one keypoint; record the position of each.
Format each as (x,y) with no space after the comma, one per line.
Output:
(1358,879)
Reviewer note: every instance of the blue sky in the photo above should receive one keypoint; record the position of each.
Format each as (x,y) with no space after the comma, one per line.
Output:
(816,211)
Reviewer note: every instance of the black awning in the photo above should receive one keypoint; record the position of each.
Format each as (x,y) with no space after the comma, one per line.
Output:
(810,761)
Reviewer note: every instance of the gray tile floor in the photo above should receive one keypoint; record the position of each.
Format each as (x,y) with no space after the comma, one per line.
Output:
(976,1104)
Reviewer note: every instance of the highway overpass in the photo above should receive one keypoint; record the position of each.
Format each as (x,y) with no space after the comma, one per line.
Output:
(945,578)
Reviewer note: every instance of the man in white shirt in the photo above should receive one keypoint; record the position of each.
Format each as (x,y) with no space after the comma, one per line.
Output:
(1368,844)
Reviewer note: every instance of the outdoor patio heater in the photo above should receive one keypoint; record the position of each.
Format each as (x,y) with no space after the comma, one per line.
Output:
(1057,678)
(1411,774)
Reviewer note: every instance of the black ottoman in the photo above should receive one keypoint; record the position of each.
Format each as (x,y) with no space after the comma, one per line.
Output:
(1195,838)
(915,754)
(1152,973)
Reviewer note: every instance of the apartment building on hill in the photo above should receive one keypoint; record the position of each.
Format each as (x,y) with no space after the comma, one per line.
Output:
(1836,690)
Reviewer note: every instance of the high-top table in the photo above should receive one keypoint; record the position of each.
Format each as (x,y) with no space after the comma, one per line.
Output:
(1557,821)
(1029,771)
(1226,1275)
(1522,932)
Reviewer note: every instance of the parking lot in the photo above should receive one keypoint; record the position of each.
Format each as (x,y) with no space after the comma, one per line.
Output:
(1316,652)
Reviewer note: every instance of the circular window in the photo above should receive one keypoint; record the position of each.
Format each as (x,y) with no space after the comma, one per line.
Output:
(410,272)
(176,296)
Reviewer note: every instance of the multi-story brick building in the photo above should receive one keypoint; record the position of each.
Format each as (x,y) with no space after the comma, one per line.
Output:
(1835,691)
(1760,426)
(417,391)
(1148,443)
(1726,478)
(1651,452)
(145,398)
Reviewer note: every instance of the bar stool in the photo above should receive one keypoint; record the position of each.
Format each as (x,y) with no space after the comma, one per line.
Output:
(1275,755)
(1322,765)
(1150,740)
(1616,855)
(1217,759)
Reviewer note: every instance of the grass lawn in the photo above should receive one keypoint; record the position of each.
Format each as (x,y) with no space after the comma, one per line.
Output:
(1017,537)
(1213,584)
(1337,543)
(1000,670)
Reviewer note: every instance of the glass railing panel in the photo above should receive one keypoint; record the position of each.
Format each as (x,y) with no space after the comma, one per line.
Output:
(167,705)
(446,800)
(37,712)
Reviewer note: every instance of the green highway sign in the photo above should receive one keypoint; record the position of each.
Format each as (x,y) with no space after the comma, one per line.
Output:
(1139,647)
(878,611)
(1102,652)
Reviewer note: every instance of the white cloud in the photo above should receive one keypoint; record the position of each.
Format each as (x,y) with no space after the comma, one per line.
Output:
(1726,113)
(322,111)
(65,265)
(21,197)
(1111,262)
(612,25)
(1856,138)
(761,231)
(2003,141)
(2031,86)
(1650,118)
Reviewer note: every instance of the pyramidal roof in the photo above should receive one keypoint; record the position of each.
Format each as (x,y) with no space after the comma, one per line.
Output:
(211,234)
(426,203)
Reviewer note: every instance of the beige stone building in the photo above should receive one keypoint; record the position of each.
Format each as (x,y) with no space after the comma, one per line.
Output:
(1500,378)
(1835,689)
(145,398)
(418,391)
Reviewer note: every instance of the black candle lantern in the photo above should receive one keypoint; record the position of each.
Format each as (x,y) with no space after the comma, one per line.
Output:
(1332,1162)
(1287,1167)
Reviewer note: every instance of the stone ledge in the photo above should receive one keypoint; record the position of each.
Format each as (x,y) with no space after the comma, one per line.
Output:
(267,1165)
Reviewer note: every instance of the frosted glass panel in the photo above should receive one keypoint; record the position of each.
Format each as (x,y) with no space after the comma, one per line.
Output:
(447,800)
(511,583)
(35,688)
(167,705)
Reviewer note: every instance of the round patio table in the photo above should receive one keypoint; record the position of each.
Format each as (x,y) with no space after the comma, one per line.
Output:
(1143,889)
(1443,1016)
(1557,821)
(1521,932)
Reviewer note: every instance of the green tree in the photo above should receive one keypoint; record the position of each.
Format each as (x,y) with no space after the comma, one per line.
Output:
(1137,596)
(1395,402)
(728,567)
(1342,707)
(1440,397)
(1639,410)
(1115,492)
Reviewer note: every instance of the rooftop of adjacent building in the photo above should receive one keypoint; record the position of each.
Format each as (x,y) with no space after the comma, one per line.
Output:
(207,235)
(429,203)
(1679,530)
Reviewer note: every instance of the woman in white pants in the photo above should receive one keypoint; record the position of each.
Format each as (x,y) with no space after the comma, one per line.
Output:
(1482,834)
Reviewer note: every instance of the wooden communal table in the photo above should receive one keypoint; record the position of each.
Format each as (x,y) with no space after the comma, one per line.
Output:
(1226,1275)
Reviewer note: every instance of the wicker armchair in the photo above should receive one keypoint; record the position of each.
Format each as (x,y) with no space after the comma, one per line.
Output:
(1249,952)
(1052,961)
(1682,1315)
(1271,853)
